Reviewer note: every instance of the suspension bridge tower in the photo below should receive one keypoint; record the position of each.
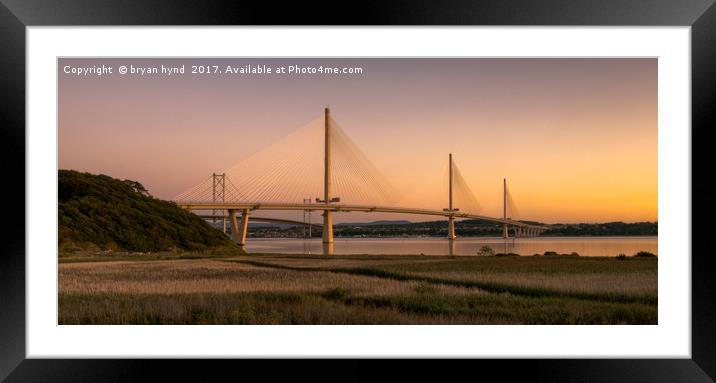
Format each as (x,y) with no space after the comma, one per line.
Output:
(218,191)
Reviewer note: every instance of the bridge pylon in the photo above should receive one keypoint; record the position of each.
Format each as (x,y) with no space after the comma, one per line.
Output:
(505,233)
(451,218)
(327,199)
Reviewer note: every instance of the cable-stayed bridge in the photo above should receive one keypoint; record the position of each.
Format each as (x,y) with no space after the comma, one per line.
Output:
(280,177)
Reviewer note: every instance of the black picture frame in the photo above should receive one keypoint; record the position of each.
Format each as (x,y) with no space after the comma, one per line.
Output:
(16,15)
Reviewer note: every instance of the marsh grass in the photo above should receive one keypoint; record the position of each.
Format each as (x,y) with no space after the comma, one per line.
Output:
(600,278)
(206,276)
(506,308)
(272,289)
(593,286)
(221,308)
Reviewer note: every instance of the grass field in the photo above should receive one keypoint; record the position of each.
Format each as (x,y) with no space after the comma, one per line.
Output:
(366,289)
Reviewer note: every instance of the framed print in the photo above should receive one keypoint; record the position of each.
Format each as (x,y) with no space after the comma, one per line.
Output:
(466,180)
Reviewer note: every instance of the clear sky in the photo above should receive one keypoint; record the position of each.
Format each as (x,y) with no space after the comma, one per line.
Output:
(576,138)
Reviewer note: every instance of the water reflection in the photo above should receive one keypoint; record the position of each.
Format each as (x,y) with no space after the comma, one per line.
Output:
(328,248)
(584,246)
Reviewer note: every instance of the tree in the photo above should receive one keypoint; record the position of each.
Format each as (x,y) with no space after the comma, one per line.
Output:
(138,187)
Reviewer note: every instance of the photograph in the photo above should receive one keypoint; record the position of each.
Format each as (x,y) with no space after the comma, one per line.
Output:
(357,190)
(511,184)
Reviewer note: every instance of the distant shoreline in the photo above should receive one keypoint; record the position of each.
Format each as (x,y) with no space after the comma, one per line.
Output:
(467,228)
(464,236)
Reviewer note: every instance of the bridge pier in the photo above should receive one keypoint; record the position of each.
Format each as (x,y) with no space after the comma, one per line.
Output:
(238,232)
(505,234)
(327,226)
(451,228)
(234,225)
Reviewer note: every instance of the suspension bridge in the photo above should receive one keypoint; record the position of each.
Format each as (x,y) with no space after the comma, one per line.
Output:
(280,177)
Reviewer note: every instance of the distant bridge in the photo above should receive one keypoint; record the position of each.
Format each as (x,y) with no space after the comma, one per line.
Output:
(263,219)
(328,204)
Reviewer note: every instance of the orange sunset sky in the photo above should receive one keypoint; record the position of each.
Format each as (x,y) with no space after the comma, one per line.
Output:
(575,138)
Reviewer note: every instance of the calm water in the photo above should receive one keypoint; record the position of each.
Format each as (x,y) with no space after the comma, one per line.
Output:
(585,246)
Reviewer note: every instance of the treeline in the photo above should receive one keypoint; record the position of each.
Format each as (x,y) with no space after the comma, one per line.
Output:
(603,229)
(465,228)
(101,212)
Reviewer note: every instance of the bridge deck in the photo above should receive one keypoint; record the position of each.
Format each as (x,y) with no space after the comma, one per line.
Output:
(346,208)
(266,219)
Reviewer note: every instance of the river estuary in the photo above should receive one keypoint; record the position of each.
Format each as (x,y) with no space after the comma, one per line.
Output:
(584,246)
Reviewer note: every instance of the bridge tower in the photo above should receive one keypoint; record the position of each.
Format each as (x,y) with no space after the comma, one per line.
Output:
(504,207)
(451,218)
(327,214)
(218,194)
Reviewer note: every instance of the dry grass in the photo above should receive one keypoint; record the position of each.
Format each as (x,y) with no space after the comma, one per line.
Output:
(274,289)
(212,276)
(637,284)
(580,275)
(584,275)
(225,308)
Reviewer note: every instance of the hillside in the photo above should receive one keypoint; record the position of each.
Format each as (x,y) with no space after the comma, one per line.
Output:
(101,212)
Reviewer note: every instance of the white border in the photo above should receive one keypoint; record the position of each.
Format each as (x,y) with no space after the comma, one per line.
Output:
(670,338)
